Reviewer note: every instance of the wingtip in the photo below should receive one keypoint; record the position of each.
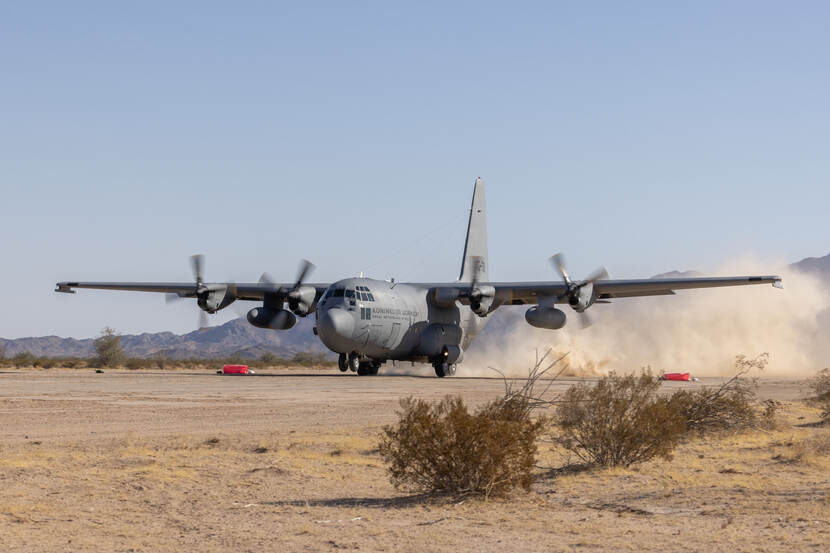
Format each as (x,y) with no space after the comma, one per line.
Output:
(778,283)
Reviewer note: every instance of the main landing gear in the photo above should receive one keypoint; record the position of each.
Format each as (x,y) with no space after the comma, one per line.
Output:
(353,363)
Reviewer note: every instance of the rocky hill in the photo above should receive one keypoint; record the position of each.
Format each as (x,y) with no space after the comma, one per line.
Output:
(235,337)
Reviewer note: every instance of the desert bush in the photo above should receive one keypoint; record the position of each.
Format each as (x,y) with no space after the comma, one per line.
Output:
(620,420)
(23,359)
(309,358)
(820,385)
(730,406)
(442,447)
(108,349)
(268,358)
(135,363)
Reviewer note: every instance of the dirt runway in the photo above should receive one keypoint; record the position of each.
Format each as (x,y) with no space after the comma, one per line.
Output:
(286,461)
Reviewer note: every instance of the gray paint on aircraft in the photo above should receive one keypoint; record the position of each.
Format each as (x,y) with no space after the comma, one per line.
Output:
(370,321)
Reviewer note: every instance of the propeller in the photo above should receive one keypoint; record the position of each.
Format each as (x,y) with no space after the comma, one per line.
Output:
(197,265)
(579,294)
(297,294)
(481,297)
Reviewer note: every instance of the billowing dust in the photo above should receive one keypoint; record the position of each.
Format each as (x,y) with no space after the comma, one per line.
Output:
(697,331)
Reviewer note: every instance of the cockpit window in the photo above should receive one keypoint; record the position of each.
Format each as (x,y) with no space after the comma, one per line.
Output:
(371,297)
(349,293)
(338,292)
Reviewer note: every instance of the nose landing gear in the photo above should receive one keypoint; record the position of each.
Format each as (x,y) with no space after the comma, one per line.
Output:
(445,364)
(369,368)
(352,362)
(442,369)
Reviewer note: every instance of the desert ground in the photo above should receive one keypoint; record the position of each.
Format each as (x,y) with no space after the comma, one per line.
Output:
(287,461)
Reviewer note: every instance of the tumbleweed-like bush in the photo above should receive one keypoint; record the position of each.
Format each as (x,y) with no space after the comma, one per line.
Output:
(728,407)
(820,385)
(618,421)
(442,447)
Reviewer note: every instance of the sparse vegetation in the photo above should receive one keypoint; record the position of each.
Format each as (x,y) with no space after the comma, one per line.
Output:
(268,358)
(442,447)
(309,358)
(108,349)
(619,420)
(23,359)
(820,385)
(731,406)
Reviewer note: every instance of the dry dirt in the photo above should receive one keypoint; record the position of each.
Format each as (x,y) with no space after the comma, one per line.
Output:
(179,461)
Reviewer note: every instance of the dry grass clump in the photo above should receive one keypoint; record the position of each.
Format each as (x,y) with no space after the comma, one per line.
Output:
(820,384)
(729,407)
(619,421)
(442,447)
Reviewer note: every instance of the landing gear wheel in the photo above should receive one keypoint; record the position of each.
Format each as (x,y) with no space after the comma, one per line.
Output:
(368,368)
(343,363)
(442,369)
(354,362)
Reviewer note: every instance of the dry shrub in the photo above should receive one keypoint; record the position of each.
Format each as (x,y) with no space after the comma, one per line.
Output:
(729,407)
(620,420)
(441,447)
(820,384)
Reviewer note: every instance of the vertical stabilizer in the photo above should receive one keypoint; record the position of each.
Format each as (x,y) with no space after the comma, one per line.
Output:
(474,263)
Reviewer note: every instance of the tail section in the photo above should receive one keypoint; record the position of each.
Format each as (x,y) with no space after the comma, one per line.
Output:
(474,266)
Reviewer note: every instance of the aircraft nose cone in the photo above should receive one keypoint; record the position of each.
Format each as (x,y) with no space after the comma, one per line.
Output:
(335,327)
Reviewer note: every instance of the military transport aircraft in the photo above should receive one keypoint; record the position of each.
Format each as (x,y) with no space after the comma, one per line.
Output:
(370,321)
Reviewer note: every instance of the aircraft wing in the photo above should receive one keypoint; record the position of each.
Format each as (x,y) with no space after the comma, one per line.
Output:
(519,293)
(243,291)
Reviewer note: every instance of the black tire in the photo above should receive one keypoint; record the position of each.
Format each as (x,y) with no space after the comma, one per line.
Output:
(439,370)
(354,363)
(343,363)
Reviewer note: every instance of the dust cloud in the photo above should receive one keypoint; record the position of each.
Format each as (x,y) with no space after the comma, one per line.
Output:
(697,331)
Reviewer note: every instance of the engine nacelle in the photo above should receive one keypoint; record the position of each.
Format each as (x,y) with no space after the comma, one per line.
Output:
(482,300)
(545,317)
(277,319)
(216,297)
(582,299)
(301,301)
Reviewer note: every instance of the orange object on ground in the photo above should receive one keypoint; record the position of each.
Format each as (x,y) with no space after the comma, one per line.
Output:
(235,369)
(676,376)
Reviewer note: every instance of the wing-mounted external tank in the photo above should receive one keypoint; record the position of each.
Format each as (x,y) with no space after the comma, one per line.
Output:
(546,317)
(276,319)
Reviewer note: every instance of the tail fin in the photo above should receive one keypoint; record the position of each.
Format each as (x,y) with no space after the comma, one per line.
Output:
(474,264)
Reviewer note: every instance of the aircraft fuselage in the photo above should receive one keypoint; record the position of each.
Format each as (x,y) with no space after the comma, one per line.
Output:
(380,320)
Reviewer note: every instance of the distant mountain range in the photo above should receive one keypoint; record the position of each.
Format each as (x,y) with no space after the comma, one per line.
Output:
(237,337)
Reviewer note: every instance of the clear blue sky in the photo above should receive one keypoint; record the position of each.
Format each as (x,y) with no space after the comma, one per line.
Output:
(645,136)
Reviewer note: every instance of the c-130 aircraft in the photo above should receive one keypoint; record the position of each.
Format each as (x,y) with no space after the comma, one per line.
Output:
(368,322)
